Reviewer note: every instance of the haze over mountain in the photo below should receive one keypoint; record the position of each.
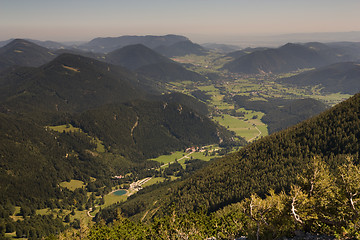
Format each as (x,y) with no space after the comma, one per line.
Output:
(289,57)
(109,44)
(20,52)
(339,77)
(135,56)
(225,48)
(143,60)
(181,49)
(243,52)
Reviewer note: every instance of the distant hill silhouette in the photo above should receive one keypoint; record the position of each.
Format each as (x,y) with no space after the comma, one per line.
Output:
(243,52)
(338,77)
(109,44)
(48,44)
(75,51)
(348,48)
(20,52)
(225,48)
(287,58)
(146,61)
(181,49)
(135,56)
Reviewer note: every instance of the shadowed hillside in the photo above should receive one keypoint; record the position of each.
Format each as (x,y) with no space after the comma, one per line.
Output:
(70,83)
(149,63)
(339,77)
(23,53)
(287,58)
(109,44)
(181,49)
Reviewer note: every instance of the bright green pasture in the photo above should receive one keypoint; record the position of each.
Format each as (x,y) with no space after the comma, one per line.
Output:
(153,180)
(169,158)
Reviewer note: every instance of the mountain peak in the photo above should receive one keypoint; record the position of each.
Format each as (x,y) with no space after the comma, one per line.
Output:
(20,52)
(135,56)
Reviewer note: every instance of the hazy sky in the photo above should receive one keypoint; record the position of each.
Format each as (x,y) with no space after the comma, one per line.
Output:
(67,20)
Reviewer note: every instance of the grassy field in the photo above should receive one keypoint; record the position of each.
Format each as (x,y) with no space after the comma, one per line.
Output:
(73,184)
(153,180)
(169,158)
(244,127)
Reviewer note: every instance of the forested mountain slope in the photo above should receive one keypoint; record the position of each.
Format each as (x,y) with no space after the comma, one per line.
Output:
(144,129)
(70,83)
(181,49)
(20,52)
(147,62)
(282,113)
(35,159)
(339,77)
(109,44)
(273,161)
(287,58)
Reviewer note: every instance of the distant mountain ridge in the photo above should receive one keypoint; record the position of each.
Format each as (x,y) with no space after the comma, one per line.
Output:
(181,49)
(109,44)
(225,48)
(287,58)
(135,56)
